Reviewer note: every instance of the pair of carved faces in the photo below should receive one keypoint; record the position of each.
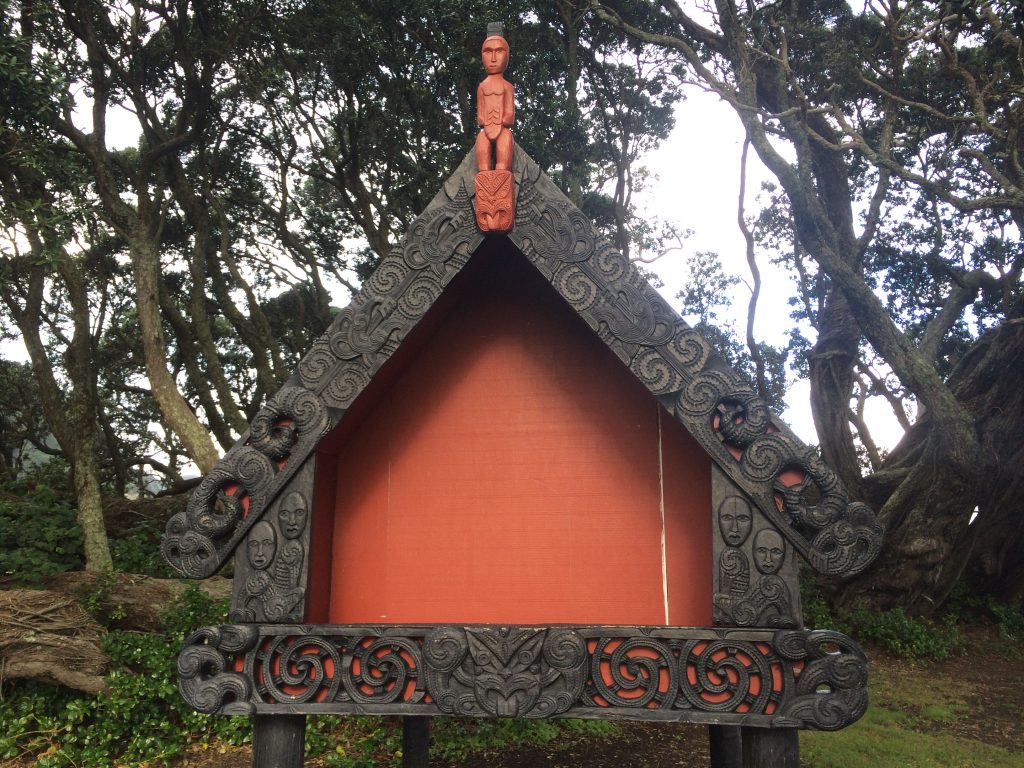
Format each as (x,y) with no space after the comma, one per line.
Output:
(262,542)
(735,520)
(495,55)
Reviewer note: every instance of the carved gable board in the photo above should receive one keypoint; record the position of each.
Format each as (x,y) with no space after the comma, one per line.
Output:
(498,435)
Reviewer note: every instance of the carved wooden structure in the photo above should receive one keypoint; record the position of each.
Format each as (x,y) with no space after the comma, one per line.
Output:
(269,503)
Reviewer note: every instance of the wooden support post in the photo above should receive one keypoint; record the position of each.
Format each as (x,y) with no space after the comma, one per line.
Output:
(277,741)
(771,748)
(726,742)
(415,741)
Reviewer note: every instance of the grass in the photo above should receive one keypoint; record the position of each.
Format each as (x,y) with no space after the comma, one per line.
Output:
(886,738)
(911,723)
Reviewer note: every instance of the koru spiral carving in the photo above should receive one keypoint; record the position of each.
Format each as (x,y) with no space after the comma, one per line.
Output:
(804,679)
(758,453)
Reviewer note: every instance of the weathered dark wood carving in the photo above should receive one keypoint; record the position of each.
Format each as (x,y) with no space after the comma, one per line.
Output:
(271,567)
(676,364)
(800,679)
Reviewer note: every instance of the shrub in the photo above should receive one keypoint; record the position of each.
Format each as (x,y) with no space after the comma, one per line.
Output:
(38,526)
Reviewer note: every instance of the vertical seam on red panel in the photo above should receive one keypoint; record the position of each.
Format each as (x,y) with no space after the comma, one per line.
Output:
(661,502)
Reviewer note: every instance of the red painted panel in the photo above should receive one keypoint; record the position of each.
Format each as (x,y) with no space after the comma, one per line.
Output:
(511,473)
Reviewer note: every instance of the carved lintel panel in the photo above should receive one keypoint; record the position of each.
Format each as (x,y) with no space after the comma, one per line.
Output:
(792,679)
(755,581)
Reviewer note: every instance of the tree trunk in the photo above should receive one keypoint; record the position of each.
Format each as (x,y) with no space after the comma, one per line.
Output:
(928,508)
(176,412)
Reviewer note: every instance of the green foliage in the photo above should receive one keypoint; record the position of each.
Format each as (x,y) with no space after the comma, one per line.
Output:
(141,718)
(1010,620)
(892,630)
(139,552)
(38,527)
(904,635)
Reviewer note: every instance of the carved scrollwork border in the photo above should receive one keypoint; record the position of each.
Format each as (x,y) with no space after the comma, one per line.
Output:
(755,677)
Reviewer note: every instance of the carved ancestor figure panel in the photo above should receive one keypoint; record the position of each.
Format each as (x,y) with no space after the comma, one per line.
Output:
(271,566)
(755,575)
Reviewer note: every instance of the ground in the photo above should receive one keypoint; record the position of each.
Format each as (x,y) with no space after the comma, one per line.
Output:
(963,712)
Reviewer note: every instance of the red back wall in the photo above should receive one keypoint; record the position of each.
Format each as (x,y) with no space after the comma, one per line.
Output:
(511,470)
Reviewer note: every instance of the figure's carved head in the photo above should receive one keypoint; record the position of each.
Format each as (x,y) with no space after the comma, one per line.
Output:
(262,545)
(769,551)
(734,520)
(292,515)
(494,54)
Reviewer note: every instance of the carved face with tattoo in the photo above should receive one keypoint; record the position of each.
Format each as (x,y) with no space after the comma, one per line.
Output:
(734,520)
(292,515)
(769,551)
(262,545)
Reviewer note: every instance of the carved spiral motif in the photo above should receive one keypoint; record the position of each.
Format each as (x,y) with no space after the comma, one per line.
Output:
(445,648)
(294,413)
(743,417)
(690,350)
(296,670)
(831,690)
(419,297)
(202,677)
(575,287)
(346,385)
(768,456)
(610,263)
(655,372)
(390,274)
(724,670)
(317,364)
(850,545)
(635,665)
(705,391)
(385,667)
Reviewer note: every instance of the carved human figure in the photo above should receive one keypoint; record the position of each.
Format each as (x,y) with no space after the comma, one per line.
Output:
(261,545)
(292,519)
(734,520)
(769,551)
(495,105)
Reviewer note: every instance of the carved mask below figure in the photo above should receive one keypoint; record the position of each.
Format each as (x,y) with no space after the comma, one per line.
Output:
(292,515)
(495,198)
(262,545)
(734,519)
(769,551)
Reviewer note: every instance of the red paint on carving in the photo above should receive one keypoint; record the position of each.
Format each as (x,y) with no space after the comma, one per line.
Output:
(509,473)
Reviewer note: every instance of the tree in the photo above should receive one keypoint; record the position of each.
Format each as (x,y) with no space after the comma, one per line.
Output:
(184,183)
(895,137)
